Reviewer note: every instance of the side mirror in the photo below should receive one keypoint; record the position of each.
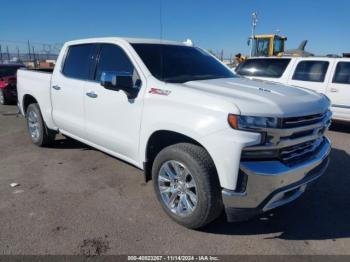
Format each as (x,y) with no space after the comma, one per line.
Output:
(119,81)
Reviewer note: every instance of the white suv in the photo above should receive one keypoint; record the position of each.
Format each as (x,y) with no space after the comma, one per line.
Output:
(330,76)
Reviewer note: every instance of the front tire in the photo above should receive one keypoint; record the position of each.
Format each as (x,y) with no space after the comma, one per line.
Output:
(186,185)
(37,129)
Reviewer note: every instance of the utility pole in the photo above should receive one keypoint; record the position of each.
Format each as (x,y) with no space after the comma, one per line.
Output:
(18,58)
(8,53)
(34,58)
(29,56)
(0,54)
(254,23)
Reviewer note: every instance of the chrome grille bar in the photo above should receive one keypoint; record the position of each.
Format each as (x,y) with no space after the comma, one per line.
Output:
(300,152)
(304,120)
(294,143)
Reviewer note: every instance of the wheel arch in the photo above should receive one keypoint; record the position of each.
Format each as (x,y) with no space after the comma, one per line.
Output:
(27,100)
(160,139)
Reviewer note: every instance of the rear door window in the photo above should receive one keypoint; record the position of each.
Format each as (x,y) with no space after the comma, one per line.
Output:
(313,71)
(79,61)
(273,68)
(342,73)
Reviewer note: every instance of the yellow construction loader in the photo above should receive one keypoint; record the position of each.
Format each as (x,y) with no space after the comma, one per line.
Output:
(274,45)
(267,45)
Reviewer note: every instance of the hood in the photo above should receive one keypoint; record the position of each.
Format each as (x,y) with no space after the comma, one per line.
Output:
(262,98)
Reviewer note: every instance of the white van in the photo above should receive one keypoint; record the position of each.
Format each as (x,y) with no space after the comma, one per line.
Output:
(330,76)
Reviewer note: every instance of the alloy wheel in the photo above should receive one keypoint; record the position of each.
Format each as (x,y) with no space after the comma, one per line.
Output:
(177,188)
(34,125)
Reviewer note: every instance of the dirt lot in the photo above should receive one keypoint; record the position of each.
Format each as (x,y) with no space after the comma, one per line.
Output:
(73,199)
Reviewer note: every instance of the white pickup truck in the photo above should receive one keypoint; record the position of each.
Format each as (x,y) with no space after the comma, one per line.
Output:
(326,75)
(208,140)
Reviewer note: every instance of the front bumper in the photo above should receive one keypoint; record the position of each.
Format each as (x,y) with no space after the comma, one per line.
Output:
(271,184)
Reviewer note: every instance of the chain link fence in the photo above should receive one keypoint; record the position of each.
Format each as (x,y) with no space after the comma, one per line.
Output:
(32,54)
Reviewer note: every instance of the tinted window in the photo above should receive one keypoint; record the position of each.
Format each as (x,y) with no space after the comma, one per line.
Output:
(79,60)
(342,73)
(263,67)
(277,46)
(262,47)
(314,71)
(179,64)
(9,70)
(113,58)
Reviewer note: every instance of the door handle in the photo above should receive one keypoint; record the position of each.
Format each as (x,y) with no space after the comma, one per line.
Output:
(334,90)
(91,94)
(56,87)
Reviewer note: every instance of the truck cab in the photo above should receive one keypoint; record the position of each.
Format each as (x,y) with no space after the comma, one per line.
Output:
(267,45)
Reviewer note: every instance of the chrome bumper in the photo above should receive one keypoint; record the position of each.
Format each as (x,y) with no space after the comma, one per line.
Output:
(271,183)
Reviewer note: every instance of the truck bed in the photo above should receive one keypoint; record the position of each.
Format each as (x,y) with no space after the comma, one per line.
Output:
(37,84)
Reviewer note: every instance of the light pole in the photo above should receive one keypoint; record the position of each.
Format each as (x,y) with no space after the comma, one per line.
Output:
(254,22)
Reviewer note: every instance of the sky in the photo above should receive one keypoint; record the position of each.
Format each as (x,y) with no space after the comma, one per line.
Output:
(216,25)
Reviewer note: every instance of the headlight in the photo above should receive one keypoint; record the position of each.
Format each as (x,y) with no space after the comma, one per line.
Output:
(251,122)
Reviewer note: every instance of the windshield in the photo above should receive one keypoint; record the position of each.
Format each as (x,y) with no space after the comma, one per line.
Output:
(8,71)
(180,64)
(261,47)
(263,67)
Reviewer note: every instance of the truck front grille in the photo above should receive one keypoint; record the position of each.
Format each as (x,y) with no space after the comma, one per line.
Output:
(302,120)
(301,152)
(297,139)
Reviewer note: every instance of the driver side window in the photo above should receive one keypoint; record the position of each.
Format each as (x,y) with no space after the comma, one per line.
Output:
(113,58)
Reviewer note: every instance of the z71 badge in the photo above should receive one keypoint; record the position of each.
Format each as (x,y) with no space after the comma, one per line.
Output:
(157,91)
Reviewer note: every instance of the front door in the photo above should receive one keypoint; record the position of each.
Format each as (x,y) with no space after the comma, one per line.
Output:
(112,120)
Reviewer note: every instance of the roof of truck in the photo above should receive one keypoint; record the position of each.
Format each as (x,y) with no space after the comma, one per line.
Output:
(127,39)
(302,58)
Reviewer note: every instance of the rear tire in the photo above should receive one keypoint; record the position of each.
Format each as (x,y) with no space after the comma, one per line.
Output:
(3,99)
(37,129)
(193,197)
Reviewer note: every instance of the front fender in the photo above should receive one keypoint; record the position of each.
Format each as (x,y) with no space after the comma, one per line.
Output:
(225,149)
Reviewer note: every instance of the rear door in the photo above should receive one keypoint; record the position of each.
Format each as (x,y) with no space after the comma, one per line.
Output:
(67,92)
(339,90)
(311,74)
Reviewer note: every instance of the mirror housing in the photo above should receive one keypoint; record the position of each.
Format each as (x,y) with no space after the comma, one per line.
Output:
(119,81)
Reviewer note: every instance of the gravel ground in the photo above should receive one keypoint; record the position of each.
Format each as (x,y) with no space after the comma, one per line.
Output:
(73,199)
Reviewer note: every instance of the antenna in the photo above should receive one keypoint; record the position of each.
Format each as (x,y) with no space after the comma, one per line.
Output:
(161,20)
(161,38)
